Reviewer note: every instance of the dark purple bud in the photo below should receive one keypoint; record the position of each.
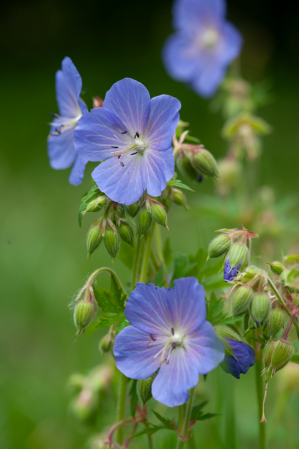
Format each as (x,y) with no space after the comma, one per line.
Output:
(241,361)
(229,272)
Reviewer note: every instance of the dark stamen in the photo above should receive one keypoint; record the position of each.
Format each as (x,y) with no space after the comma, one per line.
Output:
(54,115)
(124,132)
(167,361)
(132,154)
(113,147)
(153,337)
(118,157)
(172,331)
(173,345)
(200,178)
(137,133)
(122,164)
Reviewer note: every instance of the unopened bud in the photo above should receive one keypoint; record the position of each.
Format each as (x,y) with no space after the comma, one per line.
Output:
(96,205)
(185,167)
(94,238)
(277,353)
(159,214)
(276,321)
(205,163)
(144,389)
(133,209)
(238,253)
(219,245)
(126,232)
(260,308)
(291,258)
(284,276)
(276,267)
(226,333)
(178,197)
(241,300)
(250,272)
(83,315)
(101,444)
(105,343)
(144,221)
(112,242)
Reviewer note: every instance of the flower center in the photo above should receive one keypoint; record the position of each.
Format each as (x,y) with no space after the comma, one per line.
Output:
(177,339)
(141,145)
(209,38)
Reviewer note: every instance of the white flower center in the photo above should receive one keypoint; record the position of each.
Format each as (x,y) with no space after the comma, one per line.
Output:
(209,38)
(141,145)
(177,338)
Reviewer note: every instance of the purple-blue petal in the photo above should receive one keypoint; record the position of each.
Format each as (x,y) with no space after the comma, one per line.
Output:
(229,272)
(177,60)
(137,355)
(61,149)
(130,102)
(205,348)
(189,13)
(243,359)
(208,79)
(68,89)
(77,172)
(174,379)
(187,305)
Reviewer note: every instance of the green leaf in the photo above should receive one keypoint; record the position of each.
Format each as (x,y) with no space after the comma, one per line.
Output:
(167,252)
(148,431)
(165,421)
(200,259)
(92,194)
(121,325)
(214,282)
(179,184)
(108,320)
(295,358)
(215,310)
(181,266)
(134,397)
(207,416)
(159,278)
(198,415)
(126,255)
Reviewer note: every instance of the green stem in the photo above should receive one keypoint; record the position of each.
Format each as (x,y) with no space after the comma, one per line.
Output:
(135,261)
(259,383)
(146,256)
(181,417)
(121,406)
(106,270)
(281,301)
(180,442)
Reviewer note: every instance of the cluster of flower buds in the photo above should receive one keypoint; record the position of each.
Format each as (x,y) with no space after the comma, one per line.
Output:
(173,195)
(243,132)
(87,391)
(194,161)
(148,209)
(85,309)
(288,271)
(234,244)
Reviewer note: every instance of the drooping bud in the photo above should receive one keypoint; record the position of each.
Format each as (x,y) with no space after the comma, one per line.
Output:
(144,389)
(260,308)
(133,209)
(126,232)
(219,245)
(277,353)
(94,238)
(178,197)
(276,267)
(83,315)
(276,321)
(96,204)
(105,343)
(241,300)
(226,333)
(159,214)
(112,242)
(205,163)
(185,167)
(238,254)
(144,221)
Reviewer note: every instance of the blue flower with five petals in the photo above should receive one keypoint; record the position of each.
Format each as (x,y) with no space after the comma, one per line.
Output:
(169,334)
(132,134)
(61,150)
(203,46)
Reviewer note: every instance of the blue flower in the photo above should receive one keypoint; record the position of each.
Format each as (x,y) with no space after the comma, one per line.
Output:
(61,150)
(204,45)
(169,333)
(229,272)
(132,134)
(243,359)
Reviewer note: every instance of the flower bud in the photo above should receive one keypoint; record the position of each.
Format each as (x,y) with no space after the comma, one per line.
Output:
(276,355)
(219,245)
(167,203)
(260,308)
(238,253)
(126,232)
(291,258)
(96,204)
(284,276)
(185,167)
(250,272)
(133,209)
(276,267)
(101,444)
(112,242)
(276,321)
(205,163)
(94,238)
(241,300)
(178,197)
(144,389)
(144,220)
(105,343)
(159,214)
(226,333)
(83,315)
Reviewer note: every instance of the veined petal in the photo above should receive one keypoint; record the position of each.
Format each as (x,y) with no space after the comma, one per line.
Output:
(187,306)
(205,348)
(61,149)
(137,355)
(97,132)
(179,63)
(162,121)
(157,168)
(68,89)
(188,13)
(175,378)
(130,102)
(77,172)
(147,309)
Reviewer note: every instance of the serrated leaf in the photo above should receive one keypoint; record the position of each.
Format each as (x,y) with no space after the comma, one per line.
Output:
(134,397)
(199,259)
(214,282)
(159,278)
(179,184)
(165,421)
(215,310)
(167,252)
(208,416)
(148,431)
(198,408)
(108,320)
(181,266)
(121,325)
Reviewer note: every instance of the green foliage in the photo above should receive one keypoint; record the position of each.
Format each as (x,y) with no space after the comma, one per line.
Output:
(126,255)
(179,184)
(167,252)
(167,425)
(134,397)
(215,312)
(198,415)
(112,304)
(181,267)
(159,278)
(92,194)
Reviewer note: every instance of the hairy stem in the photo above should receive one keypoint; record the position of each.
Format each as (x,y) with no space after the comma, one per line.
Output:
(185,430)
(146,256)
(121,406)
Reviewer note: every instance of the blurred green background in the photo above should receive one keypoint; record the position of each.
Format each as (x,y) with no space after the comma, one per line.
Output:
(43,256)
